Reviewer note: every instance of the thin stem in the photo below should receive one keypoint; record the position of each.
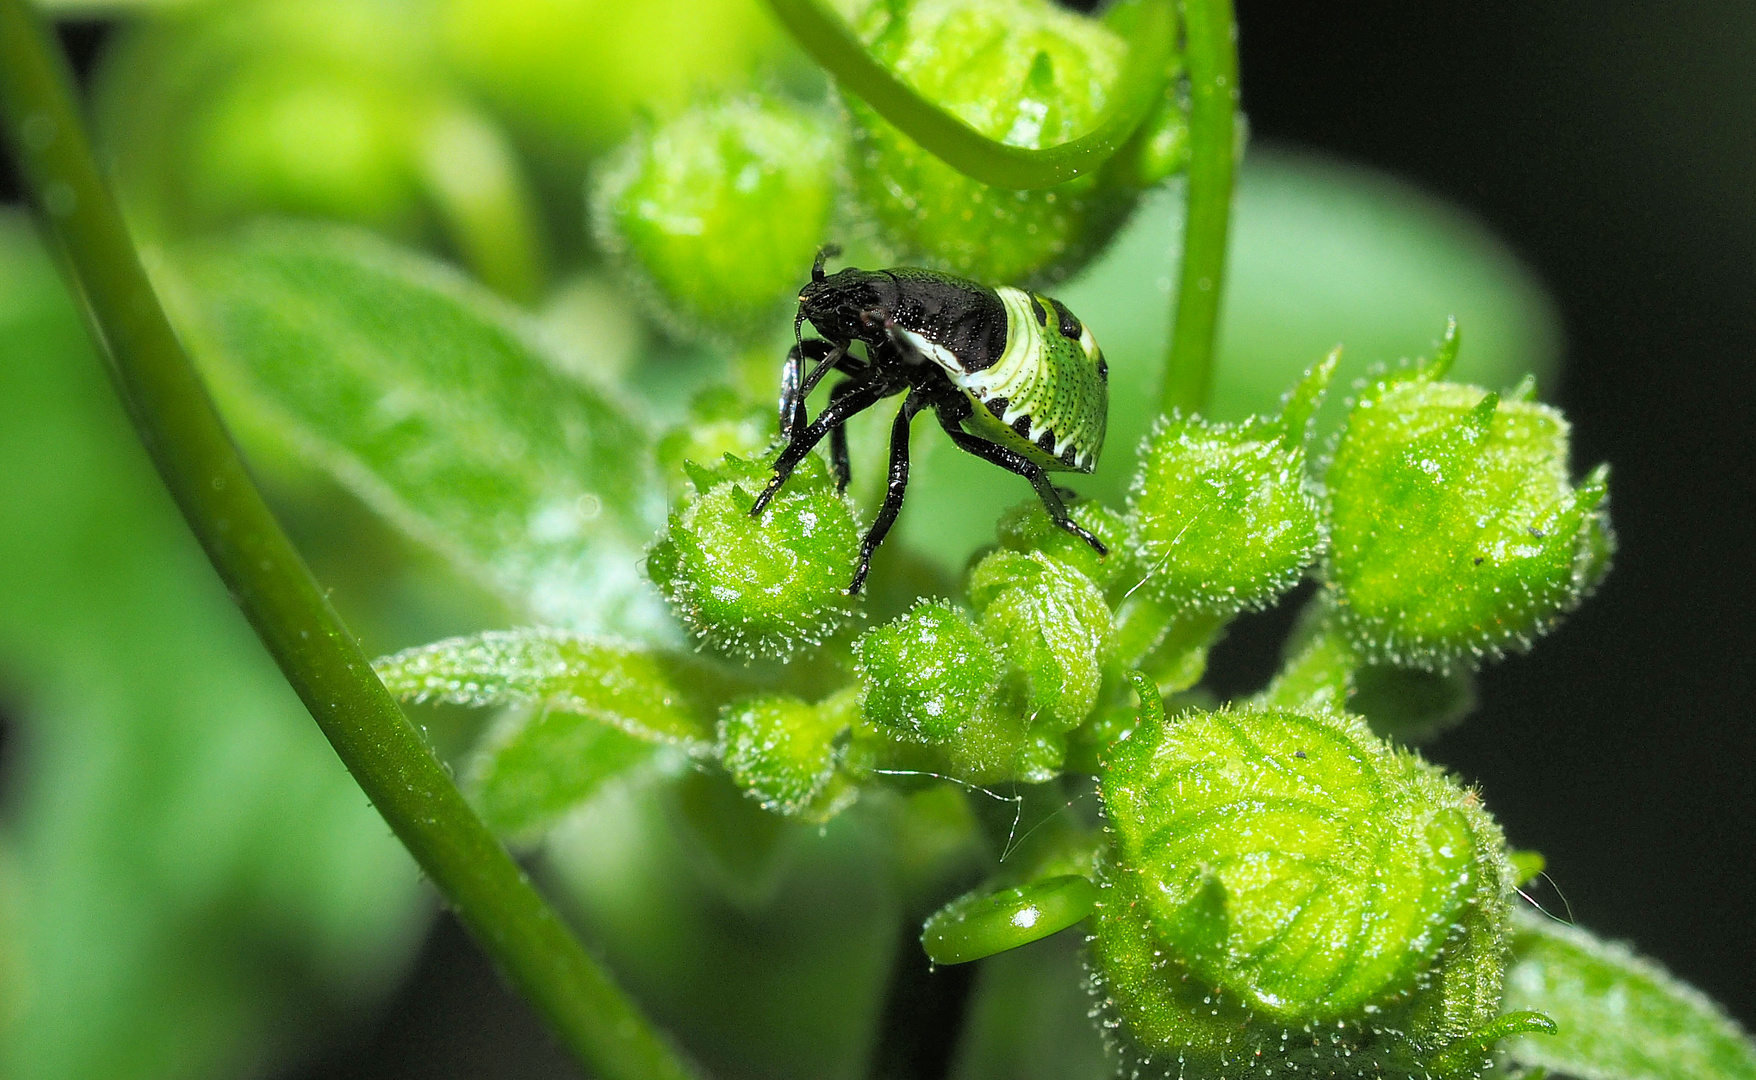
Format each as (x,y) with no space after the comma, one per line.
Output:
(1211,52)
(831,43)
(198,463)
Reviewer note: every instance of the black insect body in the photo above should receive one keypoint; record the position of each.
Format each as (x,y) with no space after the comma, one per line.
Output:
(1012,377)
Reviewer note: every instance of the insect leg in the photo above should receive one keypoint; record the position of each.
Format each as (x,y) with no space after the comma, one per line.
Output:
(838,439)
(863,396)
(898,484)
(1012,461)
(796,385)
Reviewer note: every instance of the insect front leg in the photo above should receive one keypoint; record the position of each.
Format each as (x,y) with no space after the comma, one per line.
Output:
(917,400)
(865,394)
(950,416)
(796,385)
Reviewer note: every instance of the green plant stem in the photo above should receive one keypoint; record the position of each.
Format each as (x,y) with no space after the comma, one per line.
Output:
(1211,52)
(195,457)
(833,44)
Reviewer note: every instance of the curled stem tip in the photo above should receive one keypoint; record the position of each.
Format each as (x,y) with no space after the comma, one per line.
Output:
(833,44)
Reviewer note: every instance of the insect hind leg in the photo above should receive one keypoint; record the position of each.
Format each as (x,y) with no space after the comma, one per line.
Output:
(950,417)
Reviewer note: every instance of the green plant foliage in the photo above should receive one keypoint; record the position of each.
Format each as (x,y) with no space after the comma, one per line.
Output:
(571,75)
(720,210)
(764,586)
(539,761)
(719,422)
(1290,868)
(1222,516)
(438,405)
(927,674)
(1027,73)
(649,694)
(174,819)
(1456,532)
(258,107)
(783,752)
(1052,626)
(1027,527)
(983,924)
(1618,1016)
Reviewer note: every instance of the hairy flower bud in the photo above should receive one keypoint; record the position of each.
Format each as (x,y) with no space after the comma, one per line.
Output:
(1455,530)
(720,210)
(783,752)
(1223,517)
(760,586)
(1286,889)
(926,674)
(1027,527)
(1022,71)
(1052,626)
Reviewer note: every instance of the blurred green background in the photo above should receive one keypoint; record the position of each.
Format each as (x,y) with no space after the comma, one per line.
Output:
(191,887)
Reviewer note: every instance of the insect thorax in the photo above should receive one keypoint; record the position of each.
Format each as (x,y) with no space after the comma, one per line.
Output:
(1047,396)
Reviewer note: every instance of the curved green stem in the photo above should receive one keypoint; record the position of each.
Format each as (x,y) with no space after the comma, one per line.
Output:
(1211,52)
(833,44)
(195,457)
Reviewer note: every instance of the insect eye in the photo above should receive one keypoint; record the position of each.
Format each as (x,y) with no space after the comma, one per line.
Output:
(1070,328)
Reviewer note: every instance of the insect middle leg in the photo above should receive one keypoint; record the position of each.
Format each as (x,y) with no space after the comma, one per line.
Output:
(864,393)
(950,417)
(917,400)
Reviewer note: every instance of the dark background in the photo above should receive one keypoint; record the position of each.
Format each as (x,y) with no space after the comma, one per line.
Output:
(1611,145)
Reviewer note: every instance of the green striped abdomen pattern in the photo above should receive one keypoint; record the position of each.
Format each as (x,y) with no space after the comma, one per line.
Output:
(1046,397)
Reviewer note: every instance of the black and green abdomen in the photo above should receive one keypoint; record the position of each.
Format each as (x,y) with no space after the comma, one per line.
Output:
(1047,396)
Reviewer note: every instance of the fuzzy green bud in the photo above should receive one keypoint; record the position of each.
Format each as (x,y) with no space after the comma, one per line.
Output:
(783,752)
(720,210)
(760,586)
(1456,532)
(1025,72)
(926,674)
(1053,627)
(1285,889)
(1027,527)
(1224,519)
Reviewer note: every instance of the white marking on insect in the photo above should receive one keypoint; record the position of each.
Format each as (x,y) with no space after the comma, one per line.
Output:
(917,345)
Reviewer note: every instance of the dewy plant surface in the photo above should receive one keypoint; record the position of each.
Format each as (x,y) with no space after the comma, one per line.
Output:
(736,775)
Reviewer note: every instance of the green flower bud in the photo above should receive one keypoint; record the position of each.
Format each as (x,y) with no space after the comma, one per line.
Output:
(783,752)
(1023,71)
(982,924)
(1224,519)
(719,422)
(1455,531)
(762,586)
(927,674)
(572,74)
(1287,890)
(1027,527)
(1052,626)
(720,210)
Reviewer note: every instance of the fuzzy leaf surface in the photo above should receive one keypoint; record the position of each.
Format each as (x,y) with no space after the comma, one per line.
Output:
(1621,1016)
(437,404)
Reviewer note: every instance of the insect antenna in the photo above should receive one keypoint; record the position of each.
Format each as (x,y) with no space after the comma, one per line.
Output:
(824,254)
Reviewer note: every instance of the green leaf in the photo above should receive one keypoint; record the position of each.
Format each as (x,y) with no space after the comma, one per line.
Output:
(1051,625)
(539,762)
(198,880)
(649,694)
(436,403)
(1621,1016)
(983,924)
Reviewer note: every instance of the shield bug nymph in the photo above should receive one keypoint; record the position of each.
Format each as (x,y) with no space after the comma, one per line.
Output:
(1013,378)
